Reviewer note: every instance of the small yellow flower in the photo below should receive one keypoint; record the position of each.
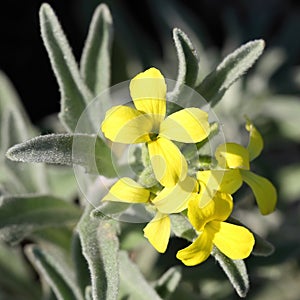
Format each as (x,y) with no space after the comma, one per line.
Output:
(146,123)
(237,159)
(234,241)
(168,201)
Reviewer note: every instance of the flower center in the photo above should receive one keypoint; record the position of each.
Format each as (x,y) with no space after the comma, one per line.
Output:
(153,136)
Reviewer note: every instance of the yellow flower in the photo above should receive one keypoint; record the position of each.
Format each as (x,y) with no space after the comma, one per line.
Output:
(146,123)
(234,241)
(237,158)
(168,201)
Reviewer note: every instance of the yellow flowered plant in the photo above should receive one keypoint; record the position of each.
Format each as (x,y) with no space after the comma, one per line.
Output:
(236,159)
(167,201)
(147,123)
(234,241)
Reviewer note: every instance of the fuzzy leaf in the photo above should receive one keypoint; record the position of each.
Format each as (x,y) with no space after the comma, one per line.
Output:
(62,182)
(22,215)
(100,248)
(133,284)
(188,63)
(168,282)
(182,228)
(95,60)
(236,64)
(67,149)
(55,271)
(74,94)
(81,266)
(15,127)
(52,148)
(18,277)
(235,270)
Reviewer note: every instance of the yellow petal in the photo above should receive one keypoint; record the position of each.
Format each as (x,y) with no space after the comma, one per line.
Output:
(158,232)
(127,125)
(234,241)
(127,190)
(256,142)
(263,190)
(189,125)
(175,199)
(198,251)
(148,92)
(219,208)
(227,181)
(233,156)
(169,165)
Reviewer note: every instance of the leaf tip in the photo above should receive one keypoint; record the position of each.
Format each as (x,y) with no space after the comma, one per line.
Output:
(11,153)
(45,9)
(103,9)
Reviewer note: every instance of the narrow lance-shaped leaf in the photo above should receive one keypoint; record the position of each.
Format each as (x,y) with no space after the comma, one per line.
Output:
(168,282)
(49,269)
(61,260)
(188,63)
(81,266)
(22,215)
(133,283)
(74,94)
(235,270)
(236,64)
(95,60)
(15,127)
(100,248)
(18,276)
(89,151)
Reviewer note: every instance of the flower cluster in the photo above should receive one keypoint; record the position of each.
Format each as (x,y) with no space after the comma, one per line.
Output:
(205,198)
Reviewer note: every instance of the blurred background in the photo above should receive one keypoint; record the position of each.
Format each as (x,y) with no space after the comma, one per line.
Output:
(269,94)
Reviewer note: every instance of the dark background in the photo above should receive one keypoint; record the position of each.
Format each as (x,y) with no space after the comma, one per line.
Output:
(24,59)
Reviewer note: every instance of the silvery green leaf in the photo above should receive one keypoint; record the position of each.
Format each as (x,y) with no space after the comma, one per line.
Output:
(22,215)
(95,60)
(82,269)
(58,236)
(100,248)
(109,208)
(89,151)
(182,228)
(284,110)
(15,127)
(133,284)
(54,269)
(52,148)
(18,276)
(236,64)
(168,282)
(88,293)
(74,93)
(188,63)
(62,182)
(235,270)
